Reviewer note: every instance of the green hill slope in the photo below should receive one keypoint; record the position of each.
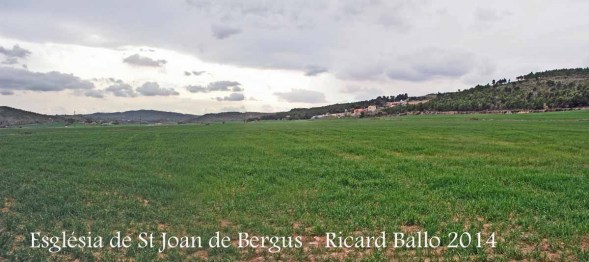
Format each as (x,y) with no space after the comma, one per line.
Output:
(11,116)
(563,88)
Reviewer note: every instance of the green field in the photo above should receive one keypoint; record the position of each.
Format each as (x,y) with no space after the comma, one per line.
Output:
(525,177)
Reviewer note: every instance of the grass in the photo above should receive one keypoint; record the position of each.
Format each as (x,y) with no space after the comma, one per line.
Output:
(525,177)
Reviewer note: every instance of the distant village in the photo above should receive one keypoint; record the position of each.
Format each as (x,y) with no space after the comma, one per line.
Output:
(371,110)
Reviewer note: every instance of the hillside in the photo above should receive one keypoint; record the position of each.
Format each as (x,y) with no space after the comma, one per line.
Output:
(563,88)
(143,116)
(228,116)
(11,116)
(306,113)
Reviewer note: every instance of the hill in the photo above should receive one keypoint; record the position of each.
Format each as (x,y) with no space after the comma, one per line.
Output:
(11,116)
(306,113)
(137,116)
(228,116)
(549,90)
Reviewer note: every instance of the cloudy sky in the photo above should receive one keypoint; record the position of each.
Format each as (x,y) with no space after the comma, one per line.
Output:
(203,56)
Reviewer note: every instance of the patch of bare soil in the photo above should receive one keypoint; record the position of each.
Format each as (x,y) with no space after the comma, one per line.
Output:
(161,226)
(411,228)
(201,254)
(585,244)
(8,202)
(224,223)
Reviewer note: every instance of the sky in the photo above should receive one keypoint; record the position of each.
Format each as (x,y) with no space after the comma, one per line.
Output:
(207,56)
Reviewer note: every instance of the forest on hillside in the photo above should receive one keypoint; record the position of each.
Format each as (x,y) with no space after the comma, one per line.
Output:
(563,88)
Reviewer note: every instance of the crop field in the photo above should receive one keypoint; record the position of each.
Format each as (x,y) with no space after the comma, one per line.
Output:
(523,177)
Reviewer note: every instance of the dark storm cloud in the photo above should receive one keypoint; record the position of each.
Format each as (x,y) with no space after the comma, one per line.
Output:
(314,70)
(16,52)
(12,79)
(302,96)
(232,97)
(154,89)
(121,89)
(223,31)
(138,60)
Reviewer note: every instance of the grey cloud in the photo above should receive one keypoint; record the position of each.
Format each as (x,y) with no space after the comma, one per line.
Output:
(232,97)
(314,70)
(223,31)
(20,79)
(94,93)
(288,34)
(16,52)
(10,61)
(154,89)
(138,60)
(216,86)
(431,63)
(222,85)
(302,96)
(362,93)
(490,15)
(197,89)
(281,35)
(6,92)
(121,89)
(193,73)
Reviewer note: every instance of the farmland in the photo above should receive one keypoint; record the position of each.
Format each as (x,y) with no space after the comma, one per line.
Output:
(524,177)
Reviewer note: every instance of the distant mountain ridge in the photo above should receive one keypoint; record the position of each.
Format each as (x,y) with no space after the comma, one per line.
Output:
(154,116)
(11,116)
(136,116)
(229,116)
